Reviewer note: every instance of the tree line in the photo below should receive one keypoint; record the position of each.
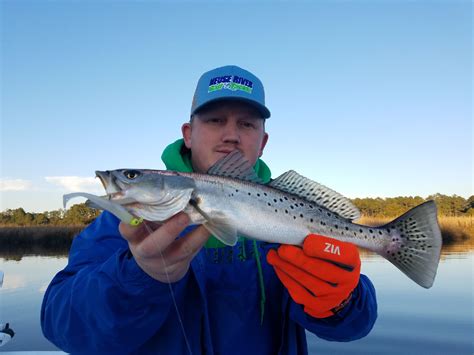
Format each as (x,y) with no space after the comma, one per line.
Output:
(77,215)
(448,206)
(81,215)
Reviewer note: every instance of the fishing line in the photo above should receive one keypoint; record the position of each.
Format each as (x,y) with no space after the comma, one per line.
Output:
(148,228)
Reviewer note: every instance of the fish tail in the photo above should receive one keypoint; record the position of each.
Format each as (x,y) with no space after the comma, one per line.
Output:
(415,244)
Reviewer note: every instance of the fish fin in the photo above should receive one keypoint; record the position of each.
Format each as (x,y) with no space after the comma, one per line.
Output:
(236,166)
(416,247)
(103,204)
(298,185)
(223,230)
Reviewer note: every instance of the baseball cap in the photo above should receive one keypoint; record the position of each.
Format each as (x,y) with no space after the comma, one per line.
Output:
(230,83)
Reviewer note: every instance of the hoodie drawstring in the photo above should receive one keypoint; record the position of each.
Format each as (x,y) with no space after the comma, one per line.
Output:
(260,279)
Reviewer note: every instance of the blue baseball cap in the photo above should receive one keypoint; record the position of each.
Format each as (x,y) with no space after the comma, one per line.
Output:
(230,83)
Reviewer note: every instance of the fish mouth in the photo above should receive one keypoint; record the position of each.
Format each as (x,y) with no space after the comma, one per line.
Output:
(115,192)
(109,182)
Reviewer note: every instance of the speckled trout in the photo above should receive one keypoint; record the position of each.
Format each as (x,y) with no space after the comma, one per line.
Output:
(231,201)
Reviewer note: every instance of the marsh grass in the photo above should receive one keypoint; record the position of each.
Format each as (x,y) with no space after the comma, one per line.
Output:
(453,229)
(44,240)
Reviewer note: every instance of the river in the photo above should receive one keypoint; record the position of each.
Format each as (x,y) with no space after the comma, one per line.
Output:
(412,320)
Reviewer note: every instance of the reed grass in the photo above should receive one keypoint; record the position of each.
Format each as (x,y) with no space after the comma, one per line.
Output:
(453,229)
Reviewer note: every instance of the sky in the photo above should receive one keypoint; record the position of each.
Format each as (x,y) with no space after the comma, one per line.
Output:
(370,98)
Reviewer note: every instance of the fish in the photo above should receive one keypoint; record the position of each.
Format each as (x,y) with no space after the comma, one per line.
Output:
(230,201)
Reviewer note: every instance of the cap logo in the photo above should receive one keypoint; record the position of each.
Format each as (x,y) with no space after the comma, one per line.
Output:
(230,82)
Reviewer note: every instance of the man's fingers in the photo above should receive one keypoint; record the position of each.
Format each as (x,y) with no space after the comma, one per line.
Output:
(303,296)
(188,246)
(133,234)
(317,267)
(318,286)
(155,243)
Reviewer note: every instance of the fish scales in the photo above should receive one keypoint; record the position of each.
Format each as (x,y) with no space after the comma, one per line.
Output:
(287,218)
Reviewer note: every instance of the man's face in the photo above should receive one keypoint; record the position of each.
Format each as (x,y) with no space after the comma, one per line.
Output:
(222,128)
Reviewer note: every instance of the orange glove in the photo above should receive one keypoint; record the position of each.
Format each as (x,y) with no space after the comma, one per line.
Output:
(320,276)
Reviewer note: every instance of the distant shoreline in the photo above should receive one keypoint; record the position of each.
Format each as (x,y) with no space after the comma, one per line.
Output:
(455,230)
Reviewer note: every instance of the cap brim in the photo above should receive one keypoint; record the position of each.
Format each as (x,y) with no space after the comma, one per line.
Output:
(265,112)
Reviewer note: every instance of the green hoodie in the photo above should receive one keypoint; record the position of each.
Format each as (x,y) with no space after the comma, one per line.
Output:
(178,158)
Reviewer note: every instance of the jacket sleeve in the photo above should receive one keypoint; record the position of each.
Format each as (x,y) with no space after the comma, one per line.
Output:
(102,300)
(353,322)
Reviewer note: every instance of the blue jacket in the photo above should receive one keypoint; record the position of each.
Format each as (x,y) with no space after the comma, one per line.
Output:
(103,302)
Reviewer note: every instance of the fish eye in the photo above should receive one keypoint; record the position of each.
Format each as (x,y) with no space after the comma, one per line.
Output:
(131,174)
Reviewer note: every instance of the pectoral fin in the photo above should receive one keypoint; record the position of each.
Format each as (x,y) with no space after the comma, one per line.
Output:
(223,230)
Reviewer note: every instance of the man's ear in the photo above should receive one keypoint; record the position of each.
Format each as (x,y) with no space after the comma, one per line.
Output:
(186,129)
(264,143)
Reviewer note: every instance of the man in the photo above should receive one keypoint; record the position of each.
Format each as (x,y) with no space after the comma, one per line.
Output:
(174,289)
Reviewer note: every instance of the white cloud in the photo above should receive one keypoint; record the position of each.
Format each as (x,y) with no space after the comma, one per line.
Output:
(76,183)
(14,185)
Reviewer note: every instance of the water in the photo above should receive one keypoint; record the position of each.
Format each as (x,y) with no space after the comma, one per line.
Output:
(412,320)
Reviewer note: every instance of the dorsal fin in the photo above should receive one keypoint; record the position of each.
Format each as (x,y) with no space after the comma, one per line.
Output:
(298,185)
(236,166)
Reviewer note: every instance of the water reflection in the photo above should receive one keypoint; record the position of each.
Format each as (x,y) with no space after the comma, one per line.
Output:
(411,319)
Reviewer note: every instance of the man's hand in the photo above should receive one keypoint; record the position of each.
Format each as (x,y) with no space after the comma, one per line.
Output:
(157,251)
(320,276)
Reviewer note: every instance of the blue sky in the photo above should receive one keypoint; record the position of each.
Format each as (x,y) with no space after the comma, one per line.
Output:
(371,98)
